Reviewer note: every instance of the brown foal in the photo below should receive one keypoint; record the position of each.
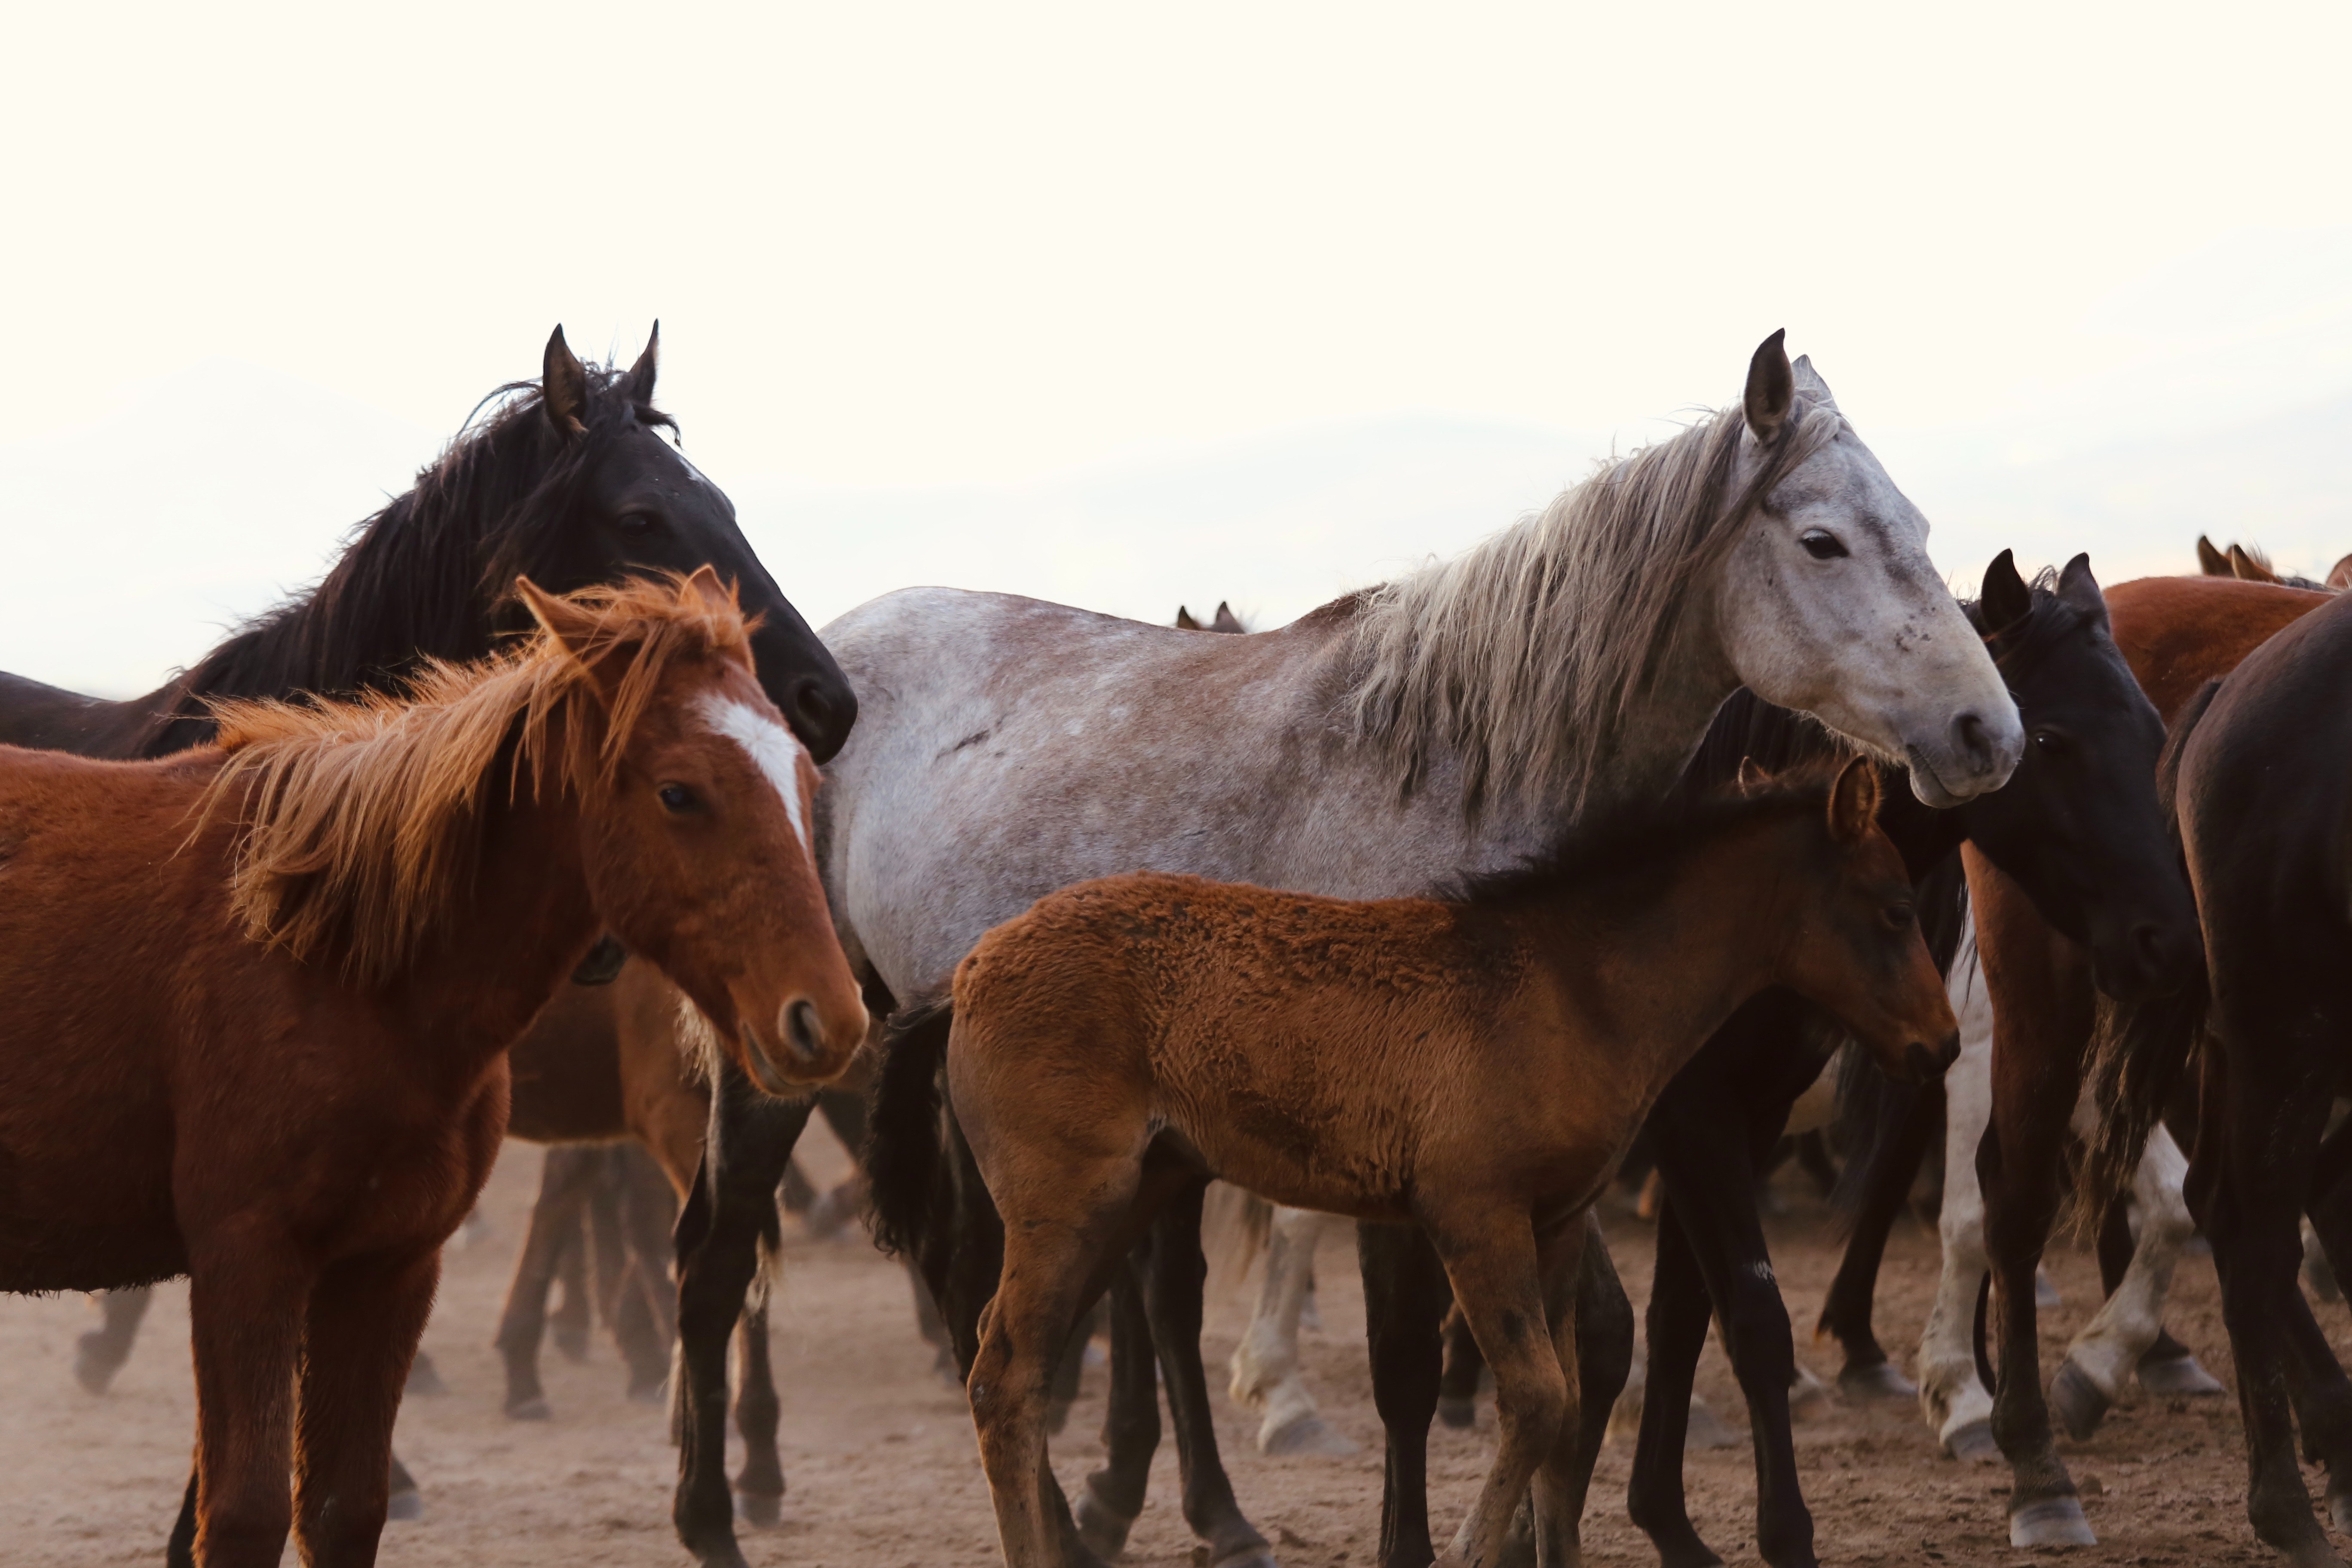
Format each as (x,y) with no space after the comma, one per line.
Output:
(255,999)
(1477,1065)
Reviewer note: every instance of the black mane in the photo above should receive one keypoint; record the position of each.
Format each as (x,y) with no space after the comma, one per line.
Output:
(427,573)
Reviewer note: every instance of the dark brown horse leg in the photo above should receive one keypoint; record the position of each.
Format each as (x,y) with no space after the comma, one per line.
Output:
(364,1324)
(1406,1295)
(1174,1283)
(1847,1313)
(1106,1509)
(245,1312)
(565,1182)
(1678,1315)
(760,1486)
(100,1354)
(731,1210)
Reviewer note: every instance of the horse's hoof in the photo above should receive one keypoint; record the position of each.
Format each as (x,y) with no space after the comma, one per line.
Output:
(2080,1404)
(1808,1395)
(535,1408)
(2045,1294)
(2179,1378)
(761,1510)
(1879,1380)
(572,1347)
(2339,1511)
(1972,1442)
(1708,1430)
(1250,1555)
(1308,1434)
(406,1507)
(1102,1527)
(1459,1413)
(424,1380)
(2052,1521)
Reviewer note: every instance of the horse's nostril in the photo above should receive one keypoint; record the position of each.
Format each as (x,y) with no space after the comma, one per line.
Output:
(800,1030)
(1973,739)
(1949,1051)
(821,716)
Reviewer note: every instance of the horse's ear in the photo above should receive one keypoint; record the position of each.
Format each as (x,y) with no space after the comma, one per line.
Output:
(2250,567)
(1771,388)
(1753,779)
(1809,382)
(2005,597)
(1226,620)
(562,387)
(706,585)
(2339,576)
(1184,621)
(1853,801)
(2078,588)
(2211,561)
(639,384)
(567,623)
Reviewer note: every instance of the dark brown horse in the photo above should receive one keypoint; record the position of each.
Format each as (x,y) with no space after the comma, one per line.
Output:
(1126,1035)
(344,913)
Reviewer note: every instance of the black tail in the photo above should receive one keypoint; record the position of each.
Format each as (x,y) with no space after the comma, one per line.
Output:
(904,1138)
(2139,1049)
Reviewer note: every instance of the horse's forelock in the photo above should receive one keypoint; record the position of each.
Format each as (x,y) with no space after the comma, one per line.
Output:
(1526,655)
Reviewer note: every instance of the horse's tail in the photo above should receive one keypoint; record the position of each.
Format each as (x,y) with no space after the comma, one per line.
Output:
(904,1139)
(1234,1225)
(2138,1049)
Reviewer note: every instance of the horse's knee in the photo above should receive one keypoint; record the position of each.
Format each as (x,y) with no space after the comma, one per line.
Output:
(1534,1400)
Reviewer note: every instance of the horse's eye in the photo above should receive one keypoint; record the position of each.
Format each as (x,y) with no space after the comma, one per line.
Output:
(677,797)
(636,524)
(1899,917)
(1821,544)
(2050,741)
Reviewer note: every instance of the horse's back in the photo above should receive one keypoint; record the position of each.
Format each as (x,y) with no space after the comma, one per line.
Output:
(51,718)
(2178,633)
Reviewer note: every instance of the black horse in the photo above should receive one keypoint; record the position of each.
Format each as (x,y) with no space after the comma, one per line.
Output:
(2261,775)
(571,481)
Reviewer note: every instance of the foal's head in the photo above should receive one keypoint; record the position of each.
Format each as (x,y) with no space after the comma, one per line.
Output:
(697,844)
(1854,946)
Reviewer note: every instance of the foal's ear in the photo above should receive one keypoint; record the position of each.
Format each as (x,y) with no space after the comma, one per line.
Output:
(562,387)
(566,622)
(1226,620)
(1853,801)
(2339,576)
(2211,561)
(2005,597)
(1772,388)
(2078,588)
(639,384)
(1184,621)
(705,585)
(2250,567)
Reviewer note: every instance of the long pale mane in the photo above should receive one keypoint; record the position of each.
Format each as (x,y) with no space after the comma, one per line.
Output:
(1525,654)
(360,821)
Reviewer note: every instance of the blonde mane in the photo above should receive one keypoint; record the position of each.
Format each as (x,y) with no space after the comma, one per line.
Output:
(360,821)
(1525,654)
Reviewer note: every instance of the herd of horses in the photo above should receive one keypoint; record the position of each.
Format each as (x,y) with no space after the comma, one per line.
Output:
(543,813)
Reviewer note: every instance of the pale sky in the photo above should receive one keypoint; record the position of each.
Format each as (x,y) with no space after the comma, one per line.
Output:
(909,250)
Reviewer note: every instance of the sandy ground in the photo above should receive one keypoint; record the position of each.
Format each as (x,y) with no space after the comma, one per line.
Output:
(883,1473)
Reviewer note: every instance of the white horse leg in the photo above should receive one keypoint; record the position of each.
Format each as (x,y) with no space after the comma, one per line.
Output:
(1952,1397)
(1266,1364)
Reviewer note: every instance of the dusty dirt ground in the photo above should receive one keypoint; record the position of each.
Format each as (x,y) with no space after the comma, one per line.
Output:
(883,1472)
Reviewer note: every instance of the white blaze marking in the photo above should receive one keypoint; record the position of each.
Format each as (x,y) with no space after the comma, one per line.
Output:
(776,750)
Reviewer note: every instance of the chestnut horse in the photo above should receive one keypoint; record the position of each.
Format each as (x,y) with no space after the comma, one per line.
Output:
(342,914)
(1501,1049)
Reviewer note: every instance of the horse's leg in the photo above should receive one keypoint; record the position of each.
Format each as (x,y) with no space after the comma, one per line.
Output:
(1564,1474)
(1106,1509)
(1952,1397)
(364,1320)
(1173,1285)
(1678,1315)
(1846,1312)
(1457,1384)
(1500,1279)
(2118,1340)
(245,1312)
(593,1266)
(100,1354)
(1604,1355)
(565,1181)
(2251,1217)
(760,1487)
(730,1209)
(1406,1294)
(1265,1366)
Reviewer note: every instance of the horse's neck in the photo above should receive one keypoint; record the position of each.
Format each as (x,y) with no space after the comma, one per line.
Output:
(523,927)
(1675,961)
